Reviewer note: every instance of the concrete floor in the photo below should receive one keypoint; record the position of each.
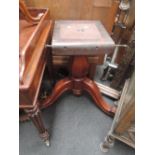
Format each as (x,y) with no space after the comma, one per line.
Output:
(77,127)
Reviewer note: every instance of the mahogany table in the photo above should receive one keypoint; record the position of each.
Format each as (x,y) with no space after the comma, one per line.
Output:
(79,39)
(34,33)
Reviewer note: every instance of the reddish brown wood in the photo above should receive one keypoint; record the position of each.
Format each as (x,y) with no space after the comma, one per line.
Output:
(35,115)
(91,87)
(59,89)
(26,13)
(63,61)
(33,56)
(34,53)
(31,42)
(79,71)
(77,83)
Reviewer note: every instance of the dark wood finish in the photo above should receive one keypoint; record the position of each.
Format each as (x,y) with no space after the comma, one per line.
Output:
(34,34)
(125,69)
(125,57)
(77,83)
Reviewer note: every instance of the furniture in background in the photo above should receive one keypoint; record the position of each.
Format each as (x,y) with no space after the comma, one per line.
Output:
(103,10)
(80,57)
(79,38)
(123,126)
(34,32)
(126,66)
(119,66)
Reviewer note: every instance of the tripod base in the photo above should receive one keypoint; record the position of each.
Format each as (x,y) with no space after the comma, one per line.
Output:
(77,83)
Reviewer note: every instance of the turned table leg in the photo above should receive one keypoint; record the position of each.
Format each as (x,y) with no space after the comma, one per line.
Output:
(79,70)
(35,116)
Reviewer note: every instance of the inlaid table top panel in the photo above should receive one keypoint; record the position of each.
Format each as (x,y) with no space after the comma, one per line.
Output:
(80,37)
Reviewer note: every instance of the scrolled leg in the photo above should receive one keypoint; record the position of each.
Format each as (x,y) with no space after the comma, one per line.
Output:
(61,87)
(93,90)
(35,116)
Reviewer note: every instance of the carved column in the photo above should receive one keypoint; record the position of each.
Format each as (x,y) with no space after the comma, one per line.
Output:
(35,116)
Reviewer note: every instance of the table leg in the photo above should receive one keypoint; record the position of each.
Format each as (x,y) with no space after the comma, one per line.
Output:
(80,67)
(77,83)
(60,87)
(94,91)
(35,116)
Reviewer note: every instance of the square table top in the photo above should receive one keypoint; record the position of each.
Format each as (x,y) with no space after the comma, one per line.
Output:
(80,37)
